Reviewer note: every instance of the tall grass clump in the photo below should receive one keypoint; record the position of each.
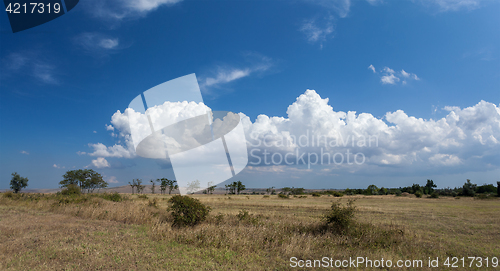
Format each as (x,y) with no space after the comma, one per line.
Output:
(187,211)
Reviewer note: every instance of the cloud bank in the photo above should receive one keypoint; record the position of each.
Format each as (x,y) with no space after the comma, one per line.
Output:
(466,139)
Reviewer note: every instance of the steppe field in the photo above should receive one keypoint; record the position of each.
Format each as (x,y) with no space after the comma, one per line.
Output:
(244,232)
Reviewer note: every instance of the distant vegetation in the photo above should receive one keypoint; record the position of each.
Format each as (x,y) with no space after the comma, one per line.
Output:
(235,188)
(85,179)
(17,182)
(81,180)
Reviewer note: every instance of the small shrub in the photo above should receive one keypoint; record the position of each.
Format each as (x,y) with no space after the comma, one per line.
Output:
(337,194)
(418,194)
(283,196)
(219,218)
(112,197)
(153,203)
(265,196)
(315,194)
(340,217)
(434,195)
(143,196)
(244,216)
(187,211)
(398,193)
(71,189)
(302,197)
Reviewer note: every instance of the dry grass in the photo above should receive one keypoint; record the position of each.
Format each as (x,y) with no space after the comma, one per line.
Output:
(273,231)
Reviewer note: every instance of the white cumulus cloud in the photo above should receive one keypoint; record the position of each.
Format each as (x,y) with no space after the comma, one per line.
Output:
(466,139)
(455,140)
(100,162)
(112,179)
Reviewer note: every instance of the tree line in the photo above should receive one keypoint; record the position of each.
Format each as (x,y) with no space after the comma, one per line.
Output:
(165,184)
(89,180)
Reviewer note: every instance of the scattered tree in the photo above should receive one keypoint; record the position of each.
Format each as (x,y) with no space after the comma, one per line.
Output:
(286,190)
(86,179)
(133,185)
(372,190)
(383,191)
(210,188)
(240,187)
(170,184)
(139,186)
(17,182)
(153,186)
(469,189)
(163,185)
(270,190)
(429,187)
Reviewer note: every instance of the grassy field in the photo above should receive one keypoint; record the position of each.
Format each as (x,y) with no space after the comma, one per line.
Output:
(91,233)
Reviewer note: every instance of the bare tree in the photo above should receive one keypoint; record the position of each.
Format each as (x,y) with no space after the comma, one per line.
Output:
(153,186)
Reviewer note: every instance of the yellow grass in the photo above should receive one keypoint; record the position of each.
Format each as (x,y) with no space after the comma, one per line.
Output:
(132,235)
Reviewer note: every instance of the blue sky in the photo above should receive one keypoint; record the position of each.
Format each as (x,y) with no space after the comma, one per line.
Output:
(434,61)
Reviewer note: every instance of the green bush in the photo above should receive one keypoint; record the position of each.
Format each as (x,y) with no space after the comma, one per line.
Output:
(468,189)
(143,196)
(71,189)
(335,193)
(418,194)
(340,217)
(315,194)
(434,195)
(187,211)
(266,196)
(112,197)
(283,196)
